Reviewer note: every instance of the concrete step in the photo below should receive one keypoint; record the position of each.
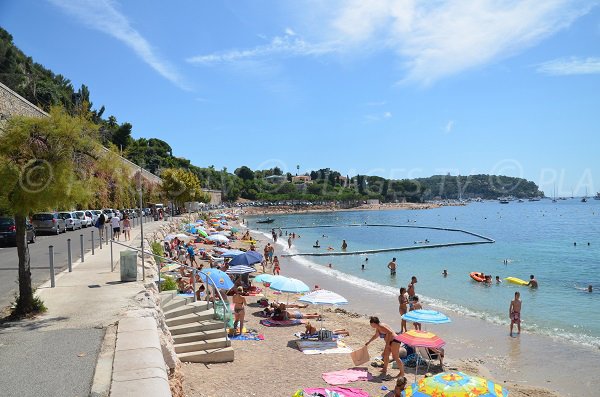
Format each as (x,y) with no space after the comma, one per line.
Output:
(222,355)
(176,302)
(200,335)
(199,345)
(166,297)
(198,326)
(193,307)
(191,318)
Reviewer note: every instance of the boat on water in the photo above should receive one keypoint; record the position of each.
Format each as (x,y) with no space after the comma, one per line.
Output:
(597,196)
(535,199)
(504,201)
(268,220)
(584,198)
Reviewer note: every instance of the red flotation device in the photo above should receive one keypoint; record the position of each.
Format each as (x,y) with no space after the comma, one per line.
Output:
(479,277)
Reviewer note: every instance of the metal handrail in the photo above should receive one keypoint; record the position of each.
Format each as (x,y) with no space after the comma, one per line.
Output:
(194,271)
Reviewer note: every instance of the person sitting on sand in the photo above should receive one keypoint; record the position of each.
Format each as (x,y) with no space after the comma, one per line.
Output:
(392,345)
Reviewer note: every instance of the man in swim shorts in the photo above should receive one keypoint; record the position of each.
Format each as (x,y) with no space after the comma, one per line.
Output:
(392,267)
(514,312)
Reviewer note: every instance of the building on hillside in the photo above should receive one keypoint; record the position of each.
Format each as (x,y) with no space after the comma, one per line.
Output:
(373,201)
(301,179)
(276,179)
(343,181)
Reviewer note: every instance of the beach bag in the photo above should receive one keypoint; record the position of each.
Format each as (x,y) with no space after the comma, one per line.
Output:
(325,335)
(360,356)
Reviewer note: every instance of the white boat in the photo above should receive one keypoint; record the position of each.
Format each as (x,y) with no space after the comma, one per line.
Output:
(597,196)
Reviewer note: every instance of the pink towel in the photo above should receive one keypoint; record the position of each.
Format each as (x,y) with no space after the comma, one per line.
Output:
(346,376)
(345,391)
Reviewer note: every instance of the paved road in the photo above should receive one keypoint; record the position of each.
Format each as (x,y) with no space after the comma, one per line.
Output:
(40,268)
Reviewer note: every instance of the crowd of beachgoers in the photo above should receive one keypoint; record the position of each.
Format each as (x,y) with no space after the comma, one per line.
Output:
(286,346)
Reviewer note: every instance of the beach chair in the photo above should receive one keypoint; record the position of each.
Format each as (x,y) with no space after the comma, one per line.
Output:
(428,356)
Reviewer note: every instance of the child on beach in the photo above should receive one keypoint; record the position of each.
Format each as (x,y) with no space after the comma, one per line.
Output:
(416,306)
(514,312)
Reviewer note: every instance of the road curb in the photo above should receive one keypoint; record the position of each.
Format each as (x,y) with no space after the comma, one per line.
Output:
(103,372)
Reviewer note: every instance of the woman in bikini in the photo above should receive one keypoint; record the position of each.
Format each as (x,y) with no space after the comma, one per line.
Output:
(276,266)
(403,300)
(391,345)
(239,303)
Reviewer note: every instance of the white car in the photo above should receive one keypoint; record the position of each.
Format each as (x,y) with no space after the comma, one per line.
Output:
(92,216)
(72,222)
(85,219)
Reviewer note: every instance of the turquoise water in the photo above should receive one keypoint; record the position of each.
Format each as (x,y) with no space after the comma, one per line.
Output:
(536,237)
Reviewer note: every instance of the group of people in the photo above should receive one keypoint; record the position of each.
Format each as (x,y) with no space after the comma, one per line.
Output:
(115,224)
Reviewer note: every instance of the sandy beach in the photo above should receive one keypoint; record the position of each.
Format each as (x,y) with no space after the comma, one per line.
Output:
(275,367)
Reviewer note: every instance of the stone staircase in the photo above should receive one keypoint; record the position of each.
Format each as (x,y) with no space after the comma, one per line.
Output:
(198,336)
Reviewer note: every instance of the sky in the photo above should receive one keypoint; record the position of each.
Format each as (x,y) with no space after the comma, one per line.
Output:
(396,88)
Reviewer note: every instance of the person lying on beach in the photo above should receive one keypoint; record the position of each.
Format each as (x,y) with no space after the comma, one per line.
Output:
(281,313)
(391,345)
(312,330)
(289,305)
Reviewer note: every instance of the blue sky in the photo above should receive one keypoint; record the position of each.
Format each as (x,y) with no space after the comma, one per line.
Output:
(393,88)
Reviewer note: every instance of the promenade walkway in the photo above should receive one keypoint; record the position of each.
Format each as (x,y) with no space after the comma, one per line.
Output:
(55,354)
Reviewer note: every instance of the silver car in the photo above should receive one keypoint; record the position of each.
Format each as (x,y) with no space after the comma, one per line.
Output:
(92,216)
(85,220)
(71,220)
(108,213)
(49,222)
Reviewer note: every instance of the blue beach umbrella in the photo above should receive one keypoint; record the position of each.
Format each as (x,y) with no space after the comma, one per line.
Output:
(218,278)
(426,316)
(290,285)
(265,278)
(231,253)
(248,258)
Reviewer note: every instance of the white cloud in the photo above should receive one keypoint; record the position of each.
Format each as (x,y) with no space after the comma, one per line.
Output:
(570,66)
(287,45)
(387,115)
(449,126)
(289,32)
(103,15)
(378,116)
(436,39)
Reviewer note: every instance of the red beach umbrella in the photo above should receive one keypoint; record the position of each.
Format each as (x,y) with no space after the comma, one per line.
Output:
(421,339)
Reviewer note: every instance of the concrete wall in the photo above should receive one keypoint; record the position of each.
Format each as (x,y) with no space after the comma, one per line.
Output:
(216,197)
(12,104)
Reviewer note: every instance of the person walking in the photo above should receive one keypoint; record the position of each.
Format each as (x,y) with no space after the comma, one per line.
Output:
(514,313)
(127,228)
(115,222)
(100,225)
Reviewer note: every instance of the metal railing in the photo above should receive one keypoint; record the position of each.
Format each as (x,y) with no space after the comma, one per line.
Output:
(226,310)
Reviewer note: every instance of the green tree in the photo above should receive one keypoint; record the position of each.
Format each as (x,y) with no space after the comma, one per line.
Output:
(45,163)
(181,186)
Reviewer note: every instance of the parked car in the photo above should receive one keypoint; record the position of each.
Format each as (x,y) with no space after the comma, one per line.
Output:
(49,222)
(8,231)
(92,216)
(71,220)
(85,220)
(109,213)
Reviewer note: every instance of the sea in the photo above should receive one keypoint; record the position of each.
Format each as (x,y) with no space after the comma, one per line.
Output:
(557,242)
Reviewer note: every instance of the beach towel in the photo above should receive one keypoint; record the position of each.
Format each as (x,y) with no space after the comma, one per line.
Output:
(346,376)
(248,336)
(343,391)
(360,356)
(267,322)
(322,347)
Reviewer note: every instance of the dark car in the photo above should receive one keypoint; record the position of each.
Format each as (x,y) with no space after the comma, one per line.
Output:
(8,232)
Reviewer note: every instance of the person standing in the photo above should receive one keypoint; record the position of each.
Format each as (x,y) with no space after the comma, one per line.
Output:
(191,254)
(271,253)
(276,266)
(344,245)
(127,228)
(100,225)
(116,226)
(514,312)
(392,345)
(411,289)
(290,242)
(239,303)
(392,267)
(403,301)
(416,306)
(532,282)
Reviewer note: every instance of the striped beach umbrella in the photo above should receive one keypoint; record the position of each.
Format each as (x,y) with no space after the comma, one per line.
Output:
(240,269)
(426,316)
(455,384)
(421,339)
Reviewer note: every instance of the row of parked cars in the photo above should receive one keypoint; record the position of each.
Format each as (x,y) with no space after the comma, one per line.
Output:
(58,222)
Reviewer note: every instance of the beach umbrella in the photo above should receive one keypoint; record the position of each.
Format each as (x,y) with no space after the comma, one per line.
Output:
(240,269)
(426,316)
(289,285)
(323,297)
(201,233)
(453,384)
(231,253)
(265,278)
(218,238)
(169,237)
(247,258)
(421,339)
(417,338)
(218,278)
(184,237)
